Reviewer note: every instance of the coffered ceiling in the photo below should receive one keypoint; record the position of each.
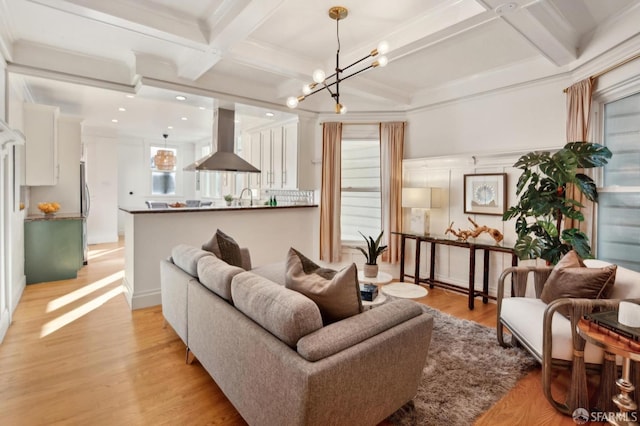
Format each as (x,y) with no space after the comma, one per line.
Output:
(262,51)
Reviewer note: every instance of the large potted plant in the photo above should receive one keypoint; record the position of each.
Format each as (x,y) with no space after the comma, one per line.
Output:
(543,202)
(374,249)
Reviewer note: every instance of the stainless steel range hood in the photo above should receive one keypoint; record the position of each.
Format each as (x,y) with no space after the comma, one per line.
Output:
(225,159)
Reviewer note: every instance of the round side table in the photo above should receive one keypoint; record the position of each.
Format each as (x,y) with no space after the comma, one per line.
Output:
(405,291)
(381,278)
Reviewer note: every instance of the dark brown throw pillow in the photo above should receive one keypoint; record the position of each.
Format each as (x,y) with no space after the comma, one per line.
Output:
(571,278)
(337,293)
(228,248)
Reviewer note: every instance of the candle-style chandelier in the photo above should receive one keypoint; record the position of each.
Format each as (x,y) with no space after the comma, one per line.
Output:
(164,159)
(332,82)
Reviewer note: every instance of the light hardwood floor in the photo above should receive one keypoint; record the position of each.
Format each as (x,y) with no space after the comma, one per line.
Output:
(76,354)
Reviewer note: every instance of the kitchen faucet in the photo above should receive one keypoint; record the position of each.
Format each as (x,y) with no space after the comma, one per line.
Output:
(250,195)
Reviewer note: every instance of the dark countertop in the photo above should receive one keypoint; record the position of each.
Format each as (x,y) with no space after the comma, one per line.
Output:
(55,216)
(138,210)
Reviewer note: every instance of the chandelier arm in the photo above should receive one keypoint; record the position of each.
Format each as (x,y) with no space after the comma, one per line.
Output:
(355,63)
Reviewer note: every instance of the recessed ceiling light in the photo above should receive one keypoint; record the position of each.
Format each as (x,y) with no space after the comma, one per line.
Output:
(122,109)
(130,96)
(169,127)
(269,114)
(115,120)
(202,108)
(181,98)
(183,118)
(506,8)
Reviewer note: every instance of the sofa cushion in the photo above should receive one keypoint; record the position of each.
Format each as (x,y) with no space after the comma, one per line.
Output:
(337,293)
(272,271)
(216,275)
(286,314)
(524,317)
(225,247)
(344,334)
(571,278)
(627,285)
(186,257)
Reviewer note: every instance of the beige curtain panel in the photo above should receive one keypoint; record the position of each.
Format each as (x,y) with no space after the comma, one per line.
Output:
(391,155)
(578,130)
(330,243)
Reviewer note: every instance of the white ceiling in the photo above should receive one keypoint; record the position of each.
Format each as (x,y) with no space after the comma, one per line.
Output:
(262,51)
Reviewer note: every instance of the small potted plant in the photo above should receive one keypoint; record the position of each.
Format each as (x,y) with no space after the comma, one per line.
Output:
(374,249)
(228,198)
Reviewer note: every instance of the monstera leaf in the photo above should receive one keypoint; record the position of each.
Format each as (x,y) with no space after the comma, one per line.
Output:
(543,201)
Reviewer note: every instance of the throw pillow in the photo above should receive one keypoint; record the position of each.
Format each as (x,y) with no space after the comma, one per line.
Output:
(225,247)
(337,293)
(571,278)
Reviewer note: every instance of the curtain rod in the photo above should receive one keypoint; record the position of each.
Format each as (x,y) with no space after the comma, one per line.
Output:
(611,68)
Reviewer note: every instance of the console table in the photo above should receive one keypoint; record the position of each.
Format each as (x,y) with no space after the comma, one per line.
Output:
(471,246)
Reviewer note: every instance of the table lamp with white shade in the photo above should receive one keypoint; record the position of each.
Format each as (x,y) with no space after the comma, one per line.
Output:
(420,200)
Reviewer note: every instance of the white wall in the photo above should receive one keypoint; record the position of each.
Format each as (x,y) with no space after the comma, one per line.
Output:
(522,118)
(12,279)
(134,174)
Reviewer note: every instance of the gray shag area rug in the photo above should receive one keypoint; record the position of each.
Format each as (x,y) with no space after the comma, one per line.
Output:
(467,371)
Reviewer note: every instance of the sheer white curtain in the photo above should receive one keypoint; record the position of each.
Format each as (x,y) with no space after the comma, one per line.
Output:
(330,242)
(391,155)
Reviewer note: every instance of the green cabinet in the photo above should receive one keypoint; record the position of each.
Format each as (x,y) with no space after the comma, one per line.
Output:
(52,248)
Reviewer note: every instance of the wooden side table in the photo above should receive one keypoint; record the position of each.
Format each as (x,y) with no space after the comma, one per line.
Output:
(617,345)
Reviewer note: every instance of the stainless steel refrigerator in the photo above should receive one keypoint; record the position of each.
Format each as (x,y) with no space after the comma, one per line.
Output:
(85,207)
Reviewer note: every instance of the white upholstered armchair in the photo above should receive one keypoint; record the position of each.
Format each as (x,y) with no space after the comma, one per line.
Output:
(552,338)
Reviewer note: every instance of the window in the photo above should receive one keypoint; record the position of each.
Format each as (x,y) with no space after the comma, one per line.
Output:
(162,182)
(360,194)
(618,239)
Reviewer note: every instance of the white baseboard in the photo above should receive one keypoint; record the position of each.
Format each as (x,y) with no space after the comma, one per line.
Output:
(18,294)
(4,323)
(140,300)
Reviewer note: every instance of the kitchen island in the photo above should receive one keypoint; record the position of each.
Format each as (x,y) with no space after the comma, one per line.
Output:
(268,233)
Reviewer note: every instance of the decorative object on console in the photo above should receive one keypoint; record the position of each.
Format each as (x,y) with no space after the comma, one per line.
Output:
(337,13)
(420,200)
(463,235)
(374,249)
(543,202)
(485,193)
(165,159)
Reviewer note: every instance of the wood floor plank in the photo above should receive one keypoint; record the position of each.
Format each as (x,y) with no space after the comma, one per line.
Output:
(76,354)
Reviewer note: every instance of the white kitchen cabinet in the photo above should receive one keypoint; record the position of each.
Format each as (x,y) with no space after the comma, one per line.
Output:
(41,148)
(275,152)
(290,157)
(255,179)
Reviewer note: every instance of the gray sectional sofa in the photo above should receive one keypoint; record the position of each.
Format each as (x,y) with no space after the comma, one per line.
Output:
(267,349)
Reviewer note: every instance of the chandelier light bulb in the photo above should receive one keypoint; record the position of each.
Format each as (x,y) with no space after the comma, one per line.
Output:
(383,47)
(318,76)
(292,102)
(383,61)
(343,109)
(306,89)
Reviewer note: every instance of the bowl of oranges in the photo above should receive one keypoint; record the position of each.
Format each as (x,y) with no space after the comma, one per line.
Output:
(49,208)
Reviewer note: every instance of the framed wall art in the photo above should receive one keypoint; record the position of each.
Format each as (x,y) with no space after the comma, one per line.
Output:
(485,193)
